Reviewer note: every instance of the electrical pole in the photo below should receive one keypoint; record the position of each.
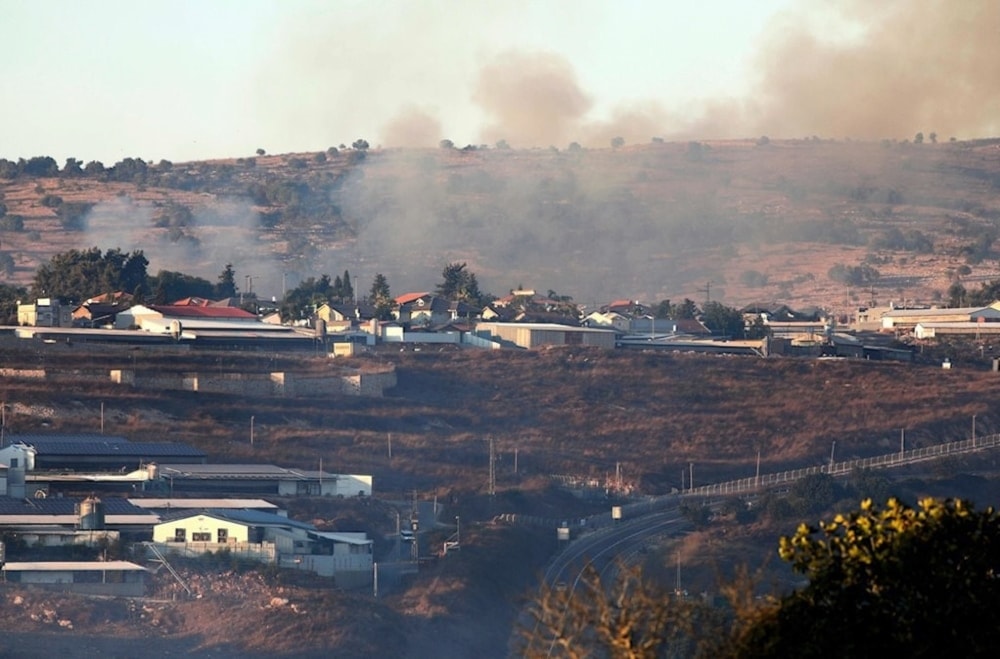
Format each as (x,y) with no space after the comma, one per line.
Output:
(493,470)
(757,477)
(515,455)
(832,449)
(389,440)
(973,431)
(902,442)
(251,431)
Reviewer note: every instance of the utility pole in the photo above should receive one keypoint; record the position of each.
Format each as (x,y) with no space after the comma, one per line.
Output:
(493,470)
(389,440)
(973,431)
(251,431)
(515,456)
(902,442)
(832,449)
(691,478)
(618,477)
(757,476)
(102,419)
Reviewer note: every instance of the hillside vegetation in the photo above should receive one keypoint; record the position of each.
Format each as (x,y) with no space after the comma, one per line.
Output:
(733,221)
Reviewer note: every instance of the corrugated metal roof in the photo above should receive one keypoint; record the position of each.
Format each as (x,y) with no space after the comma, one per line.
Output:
(346,538)
(237,471)
(74,566)
(188,504)
(52,445)
(64,506)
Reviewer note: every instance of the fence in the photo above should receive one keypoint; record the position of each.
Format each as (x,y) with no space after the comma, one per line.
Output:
(897,459)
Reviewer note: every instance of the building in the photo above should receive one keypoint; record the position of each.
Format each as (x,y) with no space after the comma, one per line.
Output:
(44,312)
(262,479)
(84,451)
(270,538)
(103,578)
(532,335)
(907,319)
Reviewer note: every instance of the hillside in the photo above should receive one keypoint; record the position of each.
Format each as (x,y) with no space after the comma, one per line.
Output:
(733,221)
(575,412)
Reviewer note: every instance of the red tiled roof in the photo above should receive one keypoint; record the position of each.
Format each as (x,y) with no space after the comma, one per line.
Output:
(191,302)
(410,297)
(188,311)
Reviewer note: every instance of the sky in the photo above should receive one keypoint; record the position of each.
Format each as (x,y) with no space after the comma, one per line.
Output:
(191,80)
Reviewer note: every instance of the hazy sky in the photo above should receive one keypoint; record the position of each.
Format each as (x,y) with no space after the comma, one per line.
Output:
(187,80)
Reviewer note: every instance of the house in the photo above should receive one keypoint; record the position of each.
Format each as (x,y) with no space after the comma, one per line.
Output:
(44,312)
(270,539)
(96,314)
(608,320)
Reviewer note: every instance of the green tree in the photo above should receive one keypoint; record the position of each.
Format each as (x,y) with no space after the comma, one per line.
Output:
(227,282)
(169,286)
(723,320)
(9,296)
(686,310)
(359,145)
(380,297)
(460,284)
(898,581)
(617,142)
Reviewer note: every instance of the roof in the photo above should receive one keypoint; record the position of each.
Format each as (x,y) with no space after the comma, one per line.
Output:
(201,504)
(344,538)
(548,327)
(244,516)
(74,566)
(190,311)
(11,506)
(103,445)
(406,298)
(239,471)
(939,311)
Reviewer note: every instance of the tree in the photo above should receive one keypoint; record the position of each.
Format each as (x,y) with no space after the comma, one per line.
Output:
(446,144)
(686,310)
(360,145)
(380,297)
(722,320)
(346,288)
(617,142)
(460,285)
(502,145)
(627,618)
(933,138)
(918,138)
(227,282)
(260,152)
(900,581)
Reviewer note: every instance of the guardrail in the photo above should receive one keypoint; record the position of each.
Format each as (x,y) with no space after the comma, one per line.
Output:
(897,459)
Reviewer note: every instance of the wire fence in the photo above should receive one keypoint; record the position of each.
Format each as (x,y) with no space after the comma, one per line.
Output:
(897,459)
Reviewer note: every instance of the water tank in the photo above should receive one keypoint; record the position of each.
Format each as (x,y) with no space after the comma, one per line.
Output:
(152,471)
(320,328)
(175,329)
(91,514)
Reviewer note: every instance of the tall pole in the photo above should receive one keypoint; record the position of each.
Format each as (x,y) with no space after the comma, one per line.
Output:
(251,430)
(515,458)
(375,580)
(902,442)
(493,471)
(832,449)
(757,476)
(691,478)
(458,530)
(102,418)
(973,431)
(389,440)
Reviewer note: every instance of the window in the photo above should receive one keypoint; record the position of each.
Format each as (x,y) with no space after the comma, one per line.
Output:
(223,535)
(180,535)
(201,537)
(13,463)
